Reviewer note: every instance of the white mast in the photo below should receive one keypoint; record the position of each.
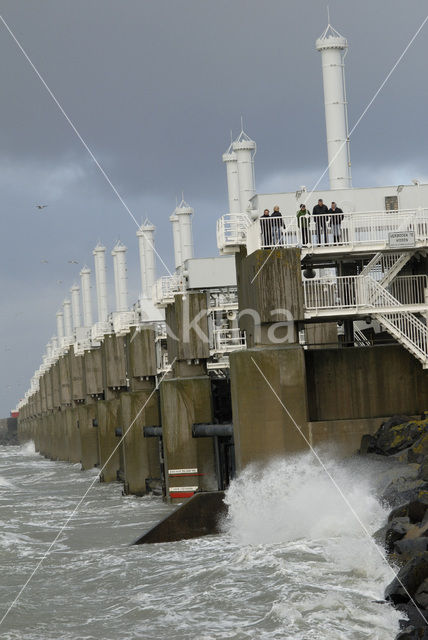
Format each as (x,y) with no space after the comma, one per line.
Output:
(231,162)
(101,282)
(60,325)
(245,149)
(75,305)
(121,278)
(333,48)
(85,283)
(147,257)
(115,279)
(177,240)
(184,214)
(68,327)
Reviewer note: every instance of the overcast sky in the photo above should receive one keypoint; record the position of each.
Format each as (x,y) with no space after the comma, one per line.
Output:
(154,88)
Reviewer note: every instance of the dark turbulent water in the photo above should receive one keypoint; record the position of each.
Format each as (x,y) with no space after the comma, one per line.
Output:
(293,563)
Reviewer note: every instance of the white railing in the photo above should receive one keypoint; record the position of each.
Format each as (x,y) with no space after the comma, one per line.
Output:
(343,292)
(409,289)
(165,288)
(226,340)
(356,229)
(362,293)
(405,327)
(232,230)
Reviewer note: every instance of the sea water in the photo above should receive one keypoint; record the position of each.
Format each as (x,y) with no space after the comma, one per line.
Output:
(293,562)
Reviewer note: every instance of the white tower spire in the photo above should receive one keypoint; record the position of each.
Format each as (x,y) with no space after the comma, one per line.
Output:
(121,277)
(146,246)
(68,327)
(85,283)
(75,305)
(60,325)
(245,149)
(101,282)
(231,161)
(333,49)
(184,214)
(177,240)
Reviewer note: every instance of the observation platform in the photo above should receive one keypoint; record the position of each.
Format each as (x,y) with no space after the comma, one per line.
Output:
(360,233)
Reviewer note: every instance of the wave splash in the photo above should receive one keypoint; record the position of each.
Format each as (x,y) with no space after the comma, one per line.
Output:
(289,515)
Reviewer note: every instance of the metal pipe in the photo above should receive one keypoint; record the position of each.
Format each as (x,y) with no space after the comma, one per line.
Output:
(202,430)
(152,432)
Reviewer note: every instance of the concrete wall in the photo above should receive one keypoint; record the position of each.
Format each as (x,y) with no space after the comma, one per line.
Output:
(185,401)
(368,382)
(262,427)
(268,282)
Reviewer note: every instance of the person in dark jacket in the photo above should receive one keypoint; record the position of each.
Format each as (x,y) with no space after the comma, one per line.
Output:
(336,217)
(303,222)
(320,211)
(277,225)
(265,225)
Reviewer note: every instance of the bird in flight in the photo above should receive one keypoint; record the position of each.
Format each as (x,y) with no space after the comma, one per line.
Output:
(41,206)
(73,262)
(59,281)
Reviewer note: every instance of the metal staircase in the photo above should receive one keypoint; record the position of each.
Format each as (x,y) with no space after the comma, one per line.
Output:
(405,327)
(383,267)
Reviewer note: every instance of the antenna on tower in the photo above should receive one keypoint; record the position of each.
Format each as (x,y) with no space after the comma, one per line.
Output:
(328,14)
(242,124)
(231,136)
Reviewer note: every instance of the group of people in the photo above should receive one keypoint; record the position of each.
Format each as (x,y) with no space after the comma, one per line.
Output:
(324,217)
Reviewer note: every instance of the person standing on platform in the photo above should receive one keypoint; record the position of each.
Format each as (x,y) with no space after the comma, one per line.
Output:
(320,211)
(336,217)
(303,222)
(277,225)
(265,224)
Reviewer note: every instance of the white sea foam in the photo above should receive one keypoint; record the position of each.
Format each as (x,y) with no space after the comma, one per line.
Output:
(28,449)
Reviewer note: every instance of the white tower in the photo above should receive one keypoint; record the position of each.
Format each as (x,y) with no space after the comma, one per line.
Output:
(101,282)
(245,150)
(85,283)
(177,240)
(68,327)
(184,214)
(75,305)
(231,161)
(121,277)
(333,49)
(60,325)
(146,246)
(115,279)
